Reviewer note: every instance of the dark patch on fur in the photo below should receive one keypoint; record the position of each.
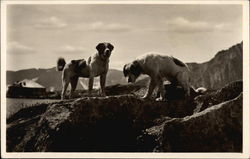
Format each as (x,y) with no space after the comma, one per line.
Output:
(79,64)
(100,47)
(136,69)
(82,64)
(110,46)
(178,62)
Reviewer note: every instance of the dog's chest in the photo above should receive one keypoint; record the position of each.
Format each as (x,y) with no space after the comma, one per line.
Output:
(99,68)
(102,69)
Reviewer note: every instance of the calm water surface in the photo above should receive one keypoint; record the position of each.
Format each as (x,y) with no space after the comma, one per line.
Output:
(15,104)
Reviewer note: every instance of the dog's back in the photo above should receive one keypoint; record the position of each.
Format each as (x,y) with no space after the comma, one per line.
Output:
(168,65)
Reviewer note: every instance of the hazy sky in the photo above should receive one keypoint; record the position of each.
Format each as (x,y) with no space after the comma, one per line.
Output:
(38,34)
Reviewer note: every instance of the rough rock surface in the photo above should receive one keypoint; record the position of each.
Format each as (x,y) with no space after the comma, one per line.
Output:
(87,124)
(127,123)
(215,129)
(230,91)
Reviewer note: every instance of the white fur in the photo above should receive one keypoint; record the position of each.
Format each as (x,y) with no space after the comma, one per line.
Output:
(97,65)
(158,67)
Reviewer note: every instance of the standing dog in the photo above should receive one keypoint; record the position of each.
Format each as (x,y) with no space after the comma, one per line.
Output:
(97,65)
(158,67)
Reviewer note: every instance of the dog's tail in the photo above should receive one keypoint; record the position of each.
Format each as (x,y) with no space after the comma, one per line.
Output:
(180,63)
(60,64)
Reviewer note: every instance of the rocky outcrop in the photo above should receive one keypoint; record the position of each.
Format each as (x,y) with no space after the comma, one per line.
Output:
(216,129)
(215,126)
(224,68)
(127,123)
(87,124)
(230,91)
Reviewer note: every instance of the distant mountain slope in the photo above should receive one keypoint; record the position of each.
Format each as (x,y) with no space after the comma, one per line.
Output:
(51,79)
(225,67)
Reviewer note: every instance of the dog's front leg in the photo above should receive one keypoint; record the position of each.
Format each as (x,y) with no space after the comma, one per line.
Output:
(161,90)
(91,82)
(150,89)
(65,85)
(73,83)
(183,79)
(102,84)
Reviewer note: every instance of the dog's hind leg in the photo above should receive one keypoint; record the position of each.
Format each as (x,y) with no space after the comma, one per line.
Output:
(183,79)
(102,84)
(161,90)
(65,84)
(91,82)
(150,88)
(73,84)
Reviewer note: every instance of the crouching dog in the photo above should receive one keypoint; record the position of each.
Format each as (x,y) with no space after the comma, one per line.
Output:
(97,65)
(158,67)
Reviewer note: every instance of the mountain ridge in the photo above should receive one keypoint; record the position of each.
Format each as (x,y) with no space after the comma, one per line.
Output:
(226,66)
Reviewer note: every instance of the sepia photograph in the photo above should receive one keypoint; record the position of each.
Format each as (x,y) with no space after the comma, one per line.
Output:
(124,79)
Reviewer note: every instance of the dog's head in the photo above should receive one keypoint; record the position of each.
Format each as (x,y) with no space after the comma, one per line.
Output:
(104,50)
(132,71)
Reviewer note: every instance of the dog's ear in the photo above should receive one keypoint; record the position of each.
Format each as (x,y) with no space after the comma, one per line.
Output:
(100,47)
(135,68)
(125,70)
(110,46)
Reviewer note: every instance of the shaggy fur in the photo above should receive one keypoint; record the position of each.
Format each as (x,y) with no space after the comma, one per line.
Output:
(158,67)
(97,65)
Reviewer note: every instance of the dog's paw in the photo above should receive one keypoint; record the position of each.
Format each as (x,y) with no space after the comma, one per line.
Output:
(145,97)
(62,97)
(90,94)
(160,99)
(103,94)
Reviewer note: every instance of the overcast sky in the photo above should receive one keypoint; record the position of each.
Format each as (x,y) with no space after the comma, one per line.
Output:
(38,34)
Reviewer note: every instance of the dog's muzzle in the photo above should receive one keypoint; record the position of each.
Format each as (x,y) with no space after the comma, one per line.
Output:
(107,53)
(130,80)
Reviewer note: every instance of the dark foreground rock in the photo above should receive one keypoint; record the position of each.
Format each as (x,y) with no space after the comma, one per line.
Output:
(127,123)
(216,129)
(230,91)
(88,124)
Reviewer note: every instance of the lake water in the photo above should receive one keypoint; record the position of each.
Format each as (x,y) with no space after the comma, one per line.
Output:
(15,104)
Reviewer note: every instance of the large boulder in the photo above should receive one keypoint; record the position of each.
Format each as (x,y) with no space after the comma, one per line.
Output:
(87,124)
(228,92)
(216,129)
